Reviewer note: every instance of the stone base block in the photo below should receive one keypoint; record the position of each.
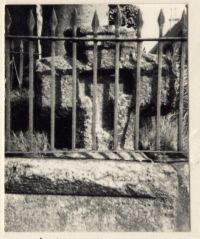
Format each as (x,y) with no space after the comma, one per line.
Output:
(95,195)
(42,213)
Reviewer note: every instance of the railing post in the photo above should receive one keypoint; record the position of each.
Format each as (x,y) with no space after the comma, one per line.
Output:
(181,85)
(53,23)
(31,24)
(95,26)
(12,61)
(7,62)
(137,105)
(117,56)
(74,77)
(161,21)
(21,64)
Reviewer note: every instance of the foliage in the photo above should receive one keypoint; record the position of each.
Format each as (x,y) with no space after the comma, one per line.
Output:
(129,15)
(168,133)
(20,142)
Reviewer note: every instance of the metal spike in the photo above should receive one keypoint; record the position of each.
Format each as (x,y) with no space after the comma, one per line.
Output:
(161,18)
(95,23)
(118,17)
(31,22)
(8,20)
(21,46)
(54,21)
(184,23)
(74,19)
(12,46)
(140,23)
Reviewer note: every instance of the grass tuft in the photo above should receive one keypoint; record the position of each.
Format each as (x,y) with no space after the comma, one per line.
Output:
(168,133)
(20,142)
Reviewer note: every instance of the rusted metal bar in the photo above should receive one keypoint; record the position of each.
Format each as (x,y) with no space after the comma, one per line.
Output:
(12,64)
(7,71)
(21,64)
(117,55)
(116,97)
(54,23)
(31,24)
(161,21)
(181,93)
(94,95)
(181,85)
(60,38)
(137,105)
(95,26)
(74,78)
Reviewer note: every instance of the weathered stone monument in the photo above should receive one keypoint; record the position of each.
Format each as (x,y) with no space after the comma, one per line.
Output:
(105,91)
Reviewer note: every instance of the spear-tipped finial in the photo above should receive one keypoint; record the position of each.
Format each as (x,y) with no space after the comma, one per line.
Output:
(8,20)
(161,21)
(74,18)
(118,21)
(140,23)
(21,46)
(161,18)
(12,46)
(118,17)
(74,21)
(54,22)
(95,23)
(31,22)
(184,23)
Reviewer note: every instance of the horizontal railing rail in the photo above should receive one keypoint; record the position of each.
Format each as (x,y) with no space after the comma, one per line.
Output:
(119,39)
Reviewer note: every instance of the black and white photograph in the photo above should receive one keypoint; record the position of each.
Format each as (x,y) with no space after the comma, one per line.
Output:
(96,118)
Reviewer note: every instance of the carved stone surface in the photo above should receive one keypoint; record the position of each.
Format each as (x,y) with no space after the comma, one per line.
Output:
(97,195)
(105,88)
(91,177)
(50,213)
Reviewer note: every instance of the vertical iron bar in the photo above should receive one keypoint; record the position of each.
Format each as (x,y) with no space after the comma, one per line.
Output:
(31,93)
(74,50)
(181,93)
(8,21)
(116,94)
(94,115)
(137,109)
(53,83)
(7,99)
(117,56)
(74,78)
(181,85)
(52,95)
(161,21)
(21,64)
(95,25)
(31,23)
(160,47)
(12,64)
(138,80)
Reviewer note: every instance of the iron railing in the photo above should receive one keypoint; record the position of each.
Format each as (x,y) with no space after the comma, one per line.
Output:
(95,39)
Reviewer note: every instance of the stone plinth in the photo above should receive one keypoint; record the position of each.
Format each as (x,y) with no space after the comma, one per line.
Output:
(95,195)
